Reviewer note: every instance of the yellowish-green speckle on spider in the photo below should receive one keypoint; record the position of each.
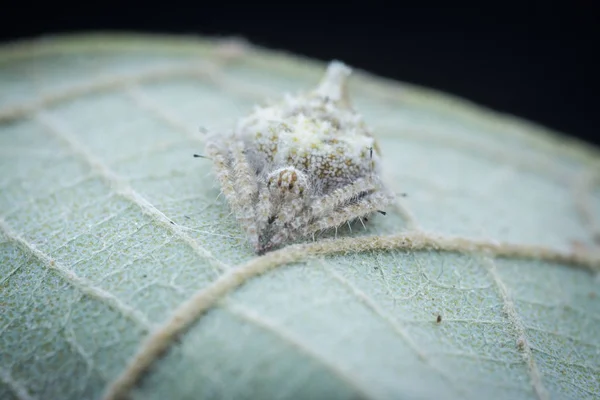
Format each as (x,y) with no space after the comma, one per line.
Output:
(305,164)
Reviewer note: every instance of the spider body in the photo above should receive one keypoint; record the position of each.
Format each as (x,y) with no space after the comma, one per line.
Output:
(300,166)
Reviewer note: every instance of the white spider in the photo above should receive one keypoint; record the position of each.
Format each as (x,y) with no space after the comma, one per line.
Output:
(305,164)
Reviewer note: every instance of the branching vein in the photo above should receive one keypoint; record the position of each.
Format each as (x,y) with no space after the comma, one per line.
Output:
(107,83)
(397,328)
(296,342)
(210,72)
(190,310)
(517,325)
(123,189)
(157,111)
(82,284)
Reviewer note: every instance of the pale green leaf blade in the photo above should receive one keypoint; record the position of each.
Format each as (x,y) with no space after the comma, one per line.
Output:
(108,225)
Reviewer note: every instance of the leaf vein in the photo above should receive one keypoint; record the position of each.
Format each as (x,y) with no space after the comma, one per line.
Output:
(290,339)
(397,328)
(103,84)
(144,101)
(517,325)
(595,370)
(83,285)
(124,190)
(186,313)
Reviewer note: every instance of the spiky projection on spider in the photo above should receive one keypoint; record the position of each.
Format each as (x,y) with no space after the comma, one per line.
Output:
(302,165)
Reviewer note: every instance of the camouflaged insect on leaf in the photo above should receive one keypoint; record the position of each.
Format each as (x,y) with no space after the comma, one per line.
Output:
(302,165)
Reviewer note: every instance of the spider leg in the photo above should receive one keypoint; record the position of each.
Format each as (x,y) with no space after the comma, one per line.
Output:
(361,207)
(290,230)
(238,196)
(318,209)
(363,224)
(288,193)
(289,212)
(264,208)
(221,166)
(247,191)
(326,205)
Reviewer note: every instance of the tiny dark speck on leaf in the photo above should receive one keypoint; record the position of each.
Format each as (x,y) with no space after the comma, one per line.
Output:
(439,319)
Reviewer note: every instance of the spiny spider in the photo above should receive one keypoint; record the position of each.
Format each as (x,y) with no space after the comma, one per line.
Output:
(302,165)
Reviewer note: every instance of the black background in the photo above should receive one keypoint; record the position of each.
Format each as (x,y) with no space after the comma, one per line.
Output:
(532,59)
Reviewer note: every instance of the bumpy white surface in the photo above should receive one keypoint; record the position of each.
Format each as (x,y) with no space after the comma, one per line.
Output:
(96,138)
(301,166)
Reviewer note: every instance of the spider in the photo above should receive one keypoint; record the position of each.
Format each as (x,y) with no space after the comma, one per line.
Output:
(301,165)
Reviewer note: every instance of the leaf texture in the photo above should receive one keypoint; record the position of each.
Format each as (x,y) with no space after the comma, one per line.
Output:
(124,274)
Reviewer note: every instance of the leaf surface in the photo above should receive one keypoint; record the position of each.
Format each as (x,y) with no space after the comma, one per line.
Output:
(108,225)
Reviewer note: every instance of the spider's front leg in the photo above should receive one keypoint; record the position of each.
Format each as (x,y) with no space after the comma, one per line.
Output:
(264,210)
(282,202)
(327,203)
(247,191)
(218,153)
(361,207)
(237,183)
(349,202)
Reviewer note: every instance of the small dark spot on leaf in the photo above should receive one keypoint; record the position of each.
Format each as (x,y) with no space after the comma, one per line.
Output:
(439,319)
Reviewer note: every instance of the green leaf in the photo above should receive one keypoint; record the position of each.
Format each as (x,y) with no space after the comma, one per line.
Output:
(123,273)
